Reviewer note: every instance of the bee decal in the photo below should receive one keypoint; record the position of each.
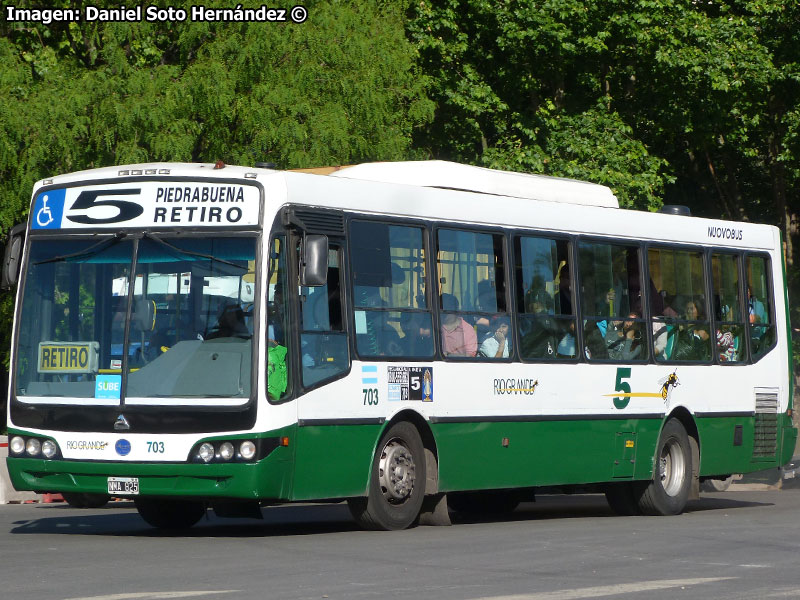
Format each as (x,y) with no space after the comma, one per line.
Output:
(667,383)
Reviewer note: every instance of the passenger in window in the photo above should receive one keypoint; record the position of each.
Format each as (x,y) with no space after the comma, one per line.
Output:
(563,284)
(664,329)
(624,339)
(496,345)
(416,328)
(668,300)
(275,312)
(755,308)
(566,347)
(458,336)
(726,339)
(693,338)
(614,302)
(539,339)
(594,343)
(485,302)
(726,346)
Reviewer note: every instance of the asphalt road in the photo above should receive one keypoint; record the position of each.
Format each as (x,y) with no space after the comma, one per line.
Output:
(737,544)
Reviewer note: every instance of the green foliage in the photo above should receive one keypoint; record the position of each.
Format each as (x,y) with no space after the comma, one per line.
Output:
(343,87)
(340,88)
(524,86)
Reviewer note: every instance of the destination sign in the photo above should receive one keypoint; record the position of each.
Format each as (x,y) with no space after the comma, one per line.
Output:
(68,357)
(147,204)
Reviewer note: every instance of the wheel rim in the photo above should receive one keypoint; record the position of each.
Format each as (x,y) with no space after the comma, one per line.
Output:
(396,472)
(672,467)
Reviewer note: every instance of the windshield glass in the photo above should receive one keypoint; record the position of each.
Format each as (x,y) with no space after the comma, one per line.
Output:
(191,318)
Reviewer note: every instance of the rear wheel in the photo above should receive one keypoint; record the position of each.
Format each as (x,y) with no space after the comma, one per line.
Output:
(668,492)
(716,485)
(397,481)
(170,514)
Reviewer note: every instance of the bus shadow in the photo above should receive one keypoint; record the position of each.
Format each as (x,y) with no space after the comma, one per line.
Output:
(122,520)
(277,521)
(581,506)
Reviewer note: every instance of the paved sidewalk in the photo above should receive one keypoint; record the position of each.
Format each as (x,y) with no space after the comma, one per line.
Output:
(783,478)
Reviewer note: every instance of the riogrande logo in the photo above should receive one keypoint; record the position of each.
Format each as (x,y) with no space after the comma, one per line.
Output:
(86,445)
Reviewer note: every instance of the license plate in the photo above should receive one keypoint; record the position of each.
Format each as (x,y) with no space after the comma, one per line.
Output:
(123,486)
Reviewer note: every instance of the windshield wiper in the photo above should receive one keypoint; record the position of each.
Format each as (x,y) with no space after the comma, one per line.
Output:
(92,250)
(180,250)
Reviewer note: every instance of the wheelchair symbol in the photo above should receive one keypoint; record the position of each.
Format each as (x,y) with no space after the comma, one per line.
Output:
(44,217)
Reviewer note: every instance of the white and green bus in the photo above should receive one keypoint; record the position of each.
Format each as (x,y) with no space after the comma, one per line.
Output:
(407,337)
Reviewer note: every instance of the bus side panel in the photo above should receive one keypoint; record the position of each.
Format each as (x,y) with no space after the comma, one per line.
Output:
(333,461)
(475,455)
(724,449)
(726,445)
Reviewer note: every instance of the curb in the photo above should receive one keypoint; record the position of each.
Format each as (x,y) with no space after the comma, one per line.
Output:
(755,487)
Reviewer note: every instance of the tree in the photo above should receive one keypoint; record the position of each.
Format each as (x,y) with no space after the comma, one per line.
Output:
(340,88)
(525,86)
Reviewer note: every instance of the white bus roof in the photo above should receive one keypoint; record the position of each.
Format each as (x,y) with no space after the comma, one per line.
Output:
(455,176)
(424,173)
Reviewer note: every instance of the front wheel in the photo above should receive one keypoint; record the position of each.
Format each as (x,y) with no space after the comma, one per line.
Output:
(668,492)
(397,481)
(170,514)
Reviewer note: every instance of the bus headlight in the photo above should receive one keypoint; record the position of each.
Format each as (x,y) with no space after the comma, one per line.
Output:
(206,452)
(247,450)
(33,447)
(226,451)
(17,445)
(49,448)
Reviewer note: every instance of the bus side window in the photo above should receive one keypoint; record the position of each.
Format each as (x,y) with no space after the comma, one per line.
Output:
(546,323)
(681,328)
(759,308)
(611,302)
(391,312)
(472,295)
(278,363)
(324,350)
(729,326)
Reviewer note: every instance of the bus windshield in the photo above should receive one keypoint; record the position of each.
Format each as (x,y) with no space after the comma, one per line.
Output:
(190,312)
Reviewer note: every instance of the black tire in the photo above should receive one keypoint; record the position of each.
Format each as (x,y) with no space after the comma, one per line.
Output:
(716,485)
(484,502)
(170,514)
(622,499)
(396,483)
(75,500)
(668,492)
(96,500)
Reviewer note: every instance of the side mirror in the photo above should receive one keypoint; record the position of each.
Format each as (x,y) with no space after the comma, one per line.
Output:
(12,257)
(314,261)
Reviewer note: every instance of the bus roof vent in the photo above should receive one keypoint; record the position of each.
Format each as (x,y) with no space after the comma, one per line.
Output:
(313,220)
(676,209)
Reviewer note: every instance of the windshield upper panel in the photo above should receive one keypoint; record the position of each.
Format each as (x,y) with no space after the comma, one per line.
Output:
(190,325)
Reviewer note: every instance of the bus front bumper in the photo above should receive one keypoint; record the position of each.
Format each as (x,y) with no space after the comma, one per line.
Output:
(267,479)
